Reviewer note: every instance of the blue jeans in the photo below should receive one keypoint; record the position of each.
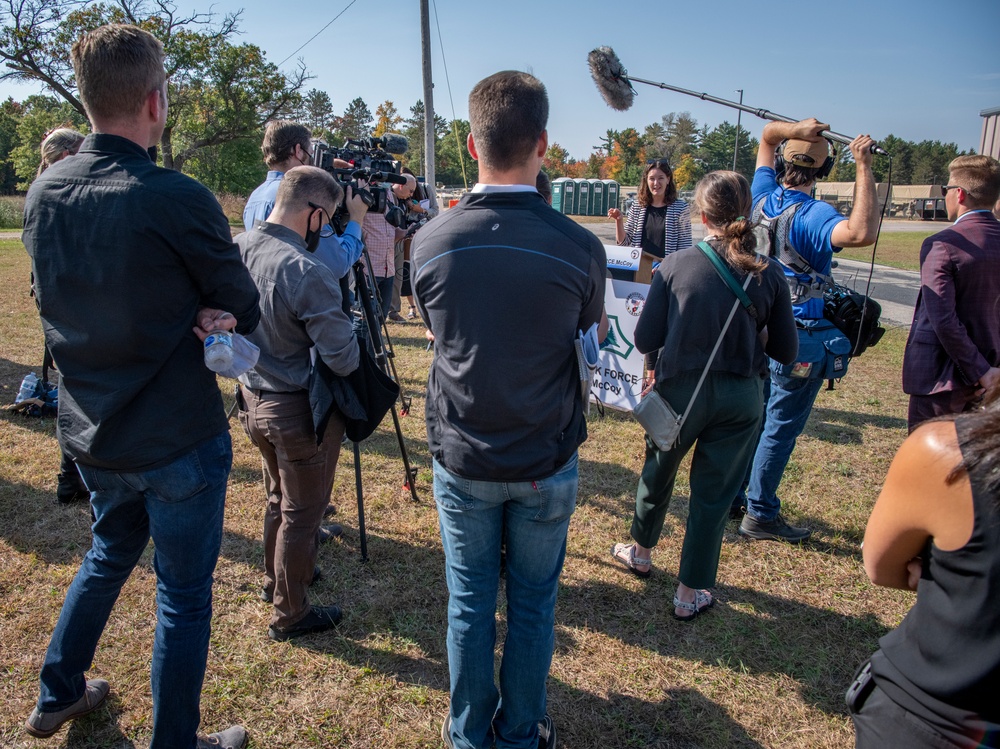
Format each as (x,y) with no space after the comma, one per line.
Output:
(531,518)
(180,506)
(788,407)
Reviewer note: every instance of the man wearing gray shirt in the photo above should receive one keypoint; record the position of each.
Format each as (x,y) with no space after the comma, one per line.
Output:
(301,316)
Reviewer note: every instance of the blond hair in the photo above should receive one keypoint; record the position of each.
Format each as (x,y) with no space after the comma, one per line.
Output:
(59,142)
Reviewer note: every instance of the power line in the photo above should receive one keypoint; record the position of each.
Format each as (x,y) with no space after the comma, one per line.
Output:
(317,34)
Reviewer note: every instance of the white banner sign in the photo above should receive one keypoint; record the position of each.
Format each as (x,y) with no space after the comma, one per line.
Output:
(622,258)
(618,379)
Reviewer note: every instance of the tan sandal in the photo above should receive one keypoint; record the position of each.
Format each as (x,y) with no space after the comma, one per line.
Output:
(625,554)
(703,601)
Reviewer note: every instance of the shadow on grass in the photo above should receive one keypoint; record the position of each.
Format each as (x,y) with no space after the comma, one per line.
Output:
(678,718)
(747,631)
(394,604)
(822,419)
(97,729)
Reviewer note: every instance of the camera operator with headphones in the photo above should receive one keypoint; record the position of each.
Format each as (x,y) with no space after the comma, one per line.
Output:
(806,232)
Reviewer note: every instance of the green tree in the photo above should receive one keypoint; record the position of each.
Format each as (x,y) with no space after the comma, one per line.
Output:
(716,147)
(901,152)
(413,129)
(453,164)
(682,136)
(317,113)
(356,121)
(556,161)
(234,167)
(10,115)
(217,91)
(39,115)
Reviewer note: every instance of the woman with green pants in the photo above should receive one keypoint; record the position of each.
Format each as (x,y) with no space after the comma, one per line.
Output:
(684,315)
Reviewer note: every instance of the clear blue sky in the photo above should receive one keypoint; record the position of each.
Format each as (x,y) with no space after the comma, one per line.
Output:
(920,69)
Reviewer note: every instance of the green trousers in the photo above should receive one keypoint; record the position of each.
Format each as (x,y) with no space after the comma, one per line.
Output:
(722,427)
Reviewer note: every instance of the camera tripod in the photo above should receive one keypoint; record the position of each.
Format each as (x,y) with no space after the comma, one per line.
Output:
(381,345)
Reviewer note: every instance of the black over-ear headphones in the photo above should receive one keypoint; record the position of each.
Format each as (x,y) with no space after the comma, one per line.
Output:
(822,172)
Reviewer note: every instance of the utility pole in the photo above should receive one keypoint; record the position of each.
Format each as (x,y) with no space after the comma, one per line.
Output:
(736,148)
(425,50)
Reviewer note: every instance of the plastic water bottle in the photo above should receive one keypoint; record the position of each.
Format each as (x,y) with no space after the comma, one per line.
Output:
(219,350)
(28,385)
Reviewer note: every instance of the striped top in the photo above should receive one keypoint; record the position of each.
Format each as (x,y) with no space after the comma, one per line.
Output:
(677,225)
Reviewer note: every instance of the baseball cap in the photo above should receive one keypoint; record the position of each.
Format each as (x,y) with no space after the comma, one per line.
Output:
(805,153)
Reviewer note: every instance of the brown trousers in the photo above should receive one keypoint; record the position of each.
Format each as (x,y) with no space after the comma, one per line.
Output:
(298,479)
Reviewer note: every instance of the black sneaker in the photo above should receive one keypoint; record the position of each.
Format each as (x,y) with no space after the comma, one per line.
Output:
(267,594)
(319,619)
(547,733)
(70,488)
(327,533)
(772,530)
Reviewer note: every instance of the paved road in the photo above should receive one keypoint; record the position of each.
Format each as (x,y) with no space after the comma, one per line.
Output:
(894,289)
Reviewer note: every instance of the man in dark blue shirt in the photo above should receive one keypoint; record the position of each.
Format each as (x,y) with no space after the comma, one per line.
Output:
(505,284)
(133,265)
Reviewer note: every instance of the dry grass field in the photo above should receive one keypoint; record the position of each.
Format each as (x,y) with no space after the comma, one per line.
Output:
(767,667)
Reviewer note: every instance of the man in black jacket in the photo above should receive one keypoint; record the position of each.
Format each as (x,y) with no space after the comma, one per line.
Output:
(133,265)
(505,284)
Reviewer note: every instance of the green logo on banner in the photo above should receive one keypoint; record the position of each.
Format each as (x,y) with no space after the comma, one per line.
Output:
(616,342)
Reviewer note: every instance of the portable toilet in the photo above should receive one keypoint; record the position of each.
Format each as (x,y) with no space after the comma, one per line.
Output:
(611,191)
(583,199)
(564,195)
(598,198)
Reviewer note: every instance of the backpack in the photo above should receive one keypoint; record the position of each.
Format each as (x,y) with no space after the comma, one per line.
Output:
(854,314)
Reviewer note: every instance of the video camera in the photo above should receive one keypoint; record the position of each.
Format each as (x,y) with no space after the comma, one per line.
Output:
(371,162)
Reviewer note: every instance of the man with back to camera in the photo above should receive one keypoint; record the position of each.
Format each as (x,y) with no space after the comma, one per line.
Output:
(815,231)
(953,351)
(133,265)
(504,283)
(302,314)
(286,145)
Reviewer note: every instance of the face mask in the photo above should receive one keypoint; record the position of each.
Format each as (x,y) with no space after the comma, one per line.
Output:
(312,237)
(312,240)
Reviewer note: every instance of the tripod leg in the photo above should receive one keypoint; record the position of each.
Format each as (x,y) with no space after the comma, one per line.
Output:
(362,533)
(411,482)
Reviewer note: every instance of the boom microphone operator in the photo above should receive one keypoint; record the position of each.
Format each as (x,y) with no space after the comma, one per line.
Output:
(615,85)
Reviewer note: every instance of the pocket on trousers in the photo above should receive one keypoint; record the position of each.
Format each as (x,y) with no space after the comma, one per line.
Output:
(177,481)
(558,493)
(452,492)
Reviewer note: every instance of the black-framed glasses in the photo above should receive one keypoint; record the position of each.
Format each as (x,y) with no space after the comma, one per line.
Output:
(326,230)
(945,188)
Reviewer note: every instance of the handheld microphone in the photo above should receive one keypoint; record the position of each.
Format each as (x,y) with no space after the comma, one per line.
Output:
(615,85)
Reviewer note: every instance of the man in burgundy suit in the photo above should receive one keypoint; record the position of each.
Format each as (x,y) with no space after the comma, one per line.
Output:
(953,352)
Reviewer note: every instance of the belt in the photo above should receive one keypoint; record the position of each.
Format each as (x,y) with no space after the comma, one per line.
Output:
(261,393)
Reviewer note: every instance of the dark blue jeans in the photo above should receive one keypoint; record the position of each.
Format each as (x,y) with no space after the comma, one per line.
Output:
(788,407)
(180,506)
(531,518)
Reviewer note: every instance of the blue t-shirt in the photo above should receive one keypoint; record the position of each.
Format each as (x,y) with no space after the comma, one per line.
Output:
(337,254)
(810,232)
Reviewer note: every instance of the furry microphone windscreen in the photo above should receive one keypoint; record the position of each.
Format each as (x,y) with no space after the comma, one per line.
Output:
(395,143)
(611,78)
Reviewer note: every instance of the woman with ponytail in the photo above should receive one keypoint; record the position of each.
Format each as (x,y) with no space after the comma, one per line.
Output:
(685,314)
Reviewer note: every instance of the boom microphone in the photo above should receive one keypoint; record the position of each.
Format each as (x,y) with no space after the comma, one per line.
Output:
(615,85)
(395,143)
(611,78)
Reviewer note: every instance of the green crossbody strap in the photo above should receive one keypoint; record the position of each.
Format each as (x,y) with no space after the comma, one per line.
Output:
(726,275)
